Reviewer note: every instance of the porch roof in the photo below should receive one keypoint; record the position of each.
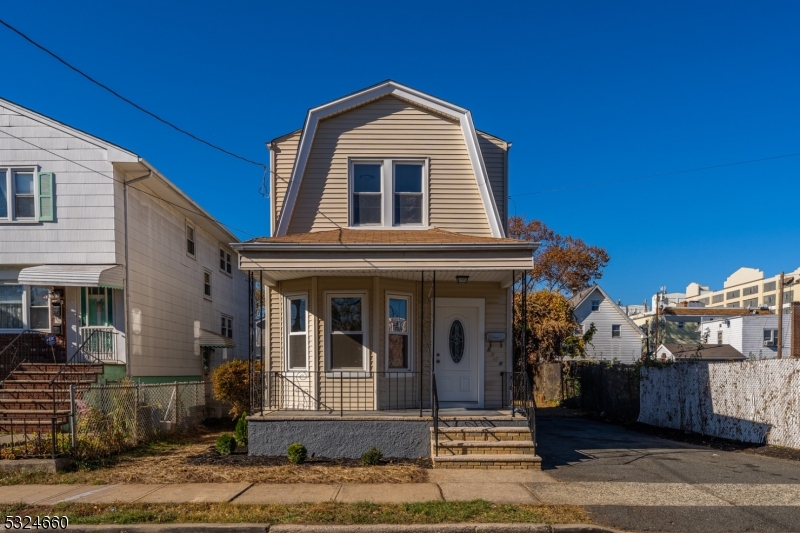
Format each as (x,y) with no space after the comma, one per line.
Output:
(209,339)
(400,254)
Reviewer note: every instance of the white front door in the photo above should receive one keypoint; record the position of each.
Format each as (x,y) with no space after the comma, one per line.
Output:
(458,356)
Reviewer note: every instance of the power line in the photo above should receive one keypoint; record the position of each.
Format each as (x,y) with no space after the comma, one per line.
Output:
(126,100)
(131,186)
(686,171)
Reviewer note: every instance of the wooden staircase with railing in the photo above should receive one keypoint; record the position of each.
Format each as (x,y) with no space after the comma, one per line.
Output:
(35,393)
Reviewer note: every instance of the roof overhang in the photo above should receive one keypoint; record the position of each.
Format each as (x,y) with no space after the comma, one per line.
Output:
(209,339)
(390,88)
(482,262)
(73,276)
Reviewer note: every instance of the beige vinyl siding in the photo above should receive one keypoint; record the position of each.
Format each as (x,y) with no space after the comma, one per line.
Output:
(494,152)
(389,128)
(284,152)
(496,359)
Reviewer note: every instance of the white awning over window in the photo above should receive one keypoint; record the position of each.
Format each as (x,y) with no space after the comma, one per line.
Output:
(73,276)
(209,339)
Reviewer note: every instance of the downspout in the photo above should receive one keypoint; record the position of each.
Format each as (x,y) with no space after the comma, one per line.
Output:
(126,293)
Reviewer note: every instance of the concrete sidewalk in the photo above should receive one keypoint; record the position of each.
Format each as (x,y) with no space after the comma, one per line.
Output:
(511,487)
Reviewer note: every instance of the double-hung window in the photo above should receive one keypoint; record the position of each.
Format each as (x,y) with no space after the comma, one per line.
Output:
(347,332)
(388,193)
(227,326)
(224,261)
(367,199)
(207,284)
(40,308)
(615,330)
(398,332)
(297,332)
(190,240)
(25,195)
(595,305)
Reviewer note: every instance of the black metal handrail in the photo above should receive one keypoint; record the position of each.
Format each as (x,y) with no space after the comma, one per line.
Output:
(83,353)
(435,413)
(341,390)
(20,350)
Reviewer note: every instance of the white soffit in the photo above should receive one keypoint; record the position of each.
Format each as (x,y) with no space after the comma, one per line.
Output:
(73,276)
(390,88)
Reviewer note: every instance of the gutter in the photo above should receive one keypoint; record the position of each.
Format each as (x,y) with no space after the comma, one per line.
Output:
(313,247)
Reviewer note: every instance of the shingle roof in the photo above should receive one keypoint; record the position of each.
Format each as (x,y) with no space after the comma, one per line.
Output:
(379,236)
(708,352)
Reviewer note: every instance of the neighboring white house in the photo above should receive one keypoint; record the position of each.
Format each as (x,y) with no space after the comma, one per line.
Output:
(617,338)
(754,336)
(93,238)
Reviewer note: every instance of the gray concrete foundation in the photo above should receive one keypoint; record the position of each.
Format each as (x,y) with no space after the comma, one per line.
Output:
(350,436)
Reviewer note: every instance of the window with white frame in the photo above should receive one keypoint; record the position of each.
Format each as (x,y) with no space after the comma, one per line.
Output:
(615,330)
(25,195)
(225,261)
(595,305)
(207,284)
(40,308)
(719,336)
(297,332)
(388,192)
(11,306)
(347,331)
(190,240)
(227,326)
(770,338)
(398,332)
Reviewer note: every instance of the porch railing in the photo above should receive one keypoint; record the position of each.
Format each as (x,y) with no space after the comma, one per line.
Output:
(100,345)
(341,391)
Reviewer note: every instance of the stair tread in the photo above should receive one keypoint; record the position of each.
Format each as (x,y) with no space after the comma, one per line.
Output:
(489,444)
(477,458)
(32,411)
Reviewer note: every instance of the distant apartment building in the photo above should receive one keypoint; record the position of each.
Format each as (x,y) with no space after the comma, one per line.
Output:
(747,288)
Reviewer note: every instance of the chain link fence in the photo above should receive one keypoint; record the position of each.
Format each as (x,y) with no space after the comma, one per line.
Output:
(750,401)
(103,420)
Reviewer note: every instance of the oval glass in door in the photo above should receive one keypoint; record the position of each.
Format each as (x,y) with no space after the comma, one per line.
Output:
(456,341)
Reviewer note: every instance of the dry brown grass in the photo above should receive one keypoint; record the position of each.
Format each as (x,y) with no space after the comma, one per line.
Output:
(194,460)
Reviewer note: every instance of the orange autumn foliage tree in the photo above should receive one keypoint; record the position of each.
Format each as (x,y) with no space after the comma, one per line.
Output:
(562,264)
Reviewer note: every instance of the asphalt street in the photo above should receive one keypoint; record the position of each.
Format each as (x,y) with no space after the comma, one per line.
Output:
(575,449)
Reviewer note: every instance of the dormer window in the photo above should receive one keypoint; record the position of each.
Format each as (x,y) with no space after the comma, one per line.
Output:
(388,193)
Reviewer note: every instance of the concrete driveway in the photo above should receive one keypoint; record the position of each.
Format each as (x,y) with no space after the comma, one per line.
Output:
(663,485)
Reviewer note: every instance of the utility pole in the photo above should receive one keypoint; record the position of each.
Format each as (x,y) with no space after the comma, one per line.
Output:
(779,310)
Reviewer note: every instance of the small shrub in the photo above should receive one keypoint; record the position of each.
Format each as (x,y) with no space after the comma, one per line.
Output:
(372,456)
(241,430)
(231,382)
(296,453)
(226,444)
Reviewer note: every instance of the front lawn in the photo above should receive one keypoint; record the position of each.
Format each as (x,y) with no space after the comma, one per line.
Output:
(193,459)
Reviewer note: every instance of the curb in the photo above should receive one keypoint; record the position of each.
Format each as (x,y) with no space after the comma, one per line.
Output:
(371,528)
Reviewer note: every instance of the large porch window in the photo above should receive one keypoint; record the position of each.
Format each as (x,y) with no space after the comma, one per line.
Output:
(297,332)
(346,346)
(398,332)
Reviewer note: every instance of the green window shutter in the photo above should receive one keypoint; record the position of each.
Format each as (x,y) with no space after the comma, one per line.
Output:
(83,306)
(110,307)
(46,204)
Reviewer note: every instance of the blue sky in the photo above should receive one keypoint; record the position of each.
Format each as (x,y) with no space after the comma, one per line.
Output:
(588,92)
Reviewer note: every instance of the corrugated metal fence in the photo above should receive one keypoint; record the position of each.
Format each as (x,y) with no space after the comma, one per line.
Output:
(750,401)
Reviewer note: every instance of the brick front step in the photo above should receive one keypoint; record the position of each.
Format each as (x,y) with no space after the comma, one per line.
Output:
(500,462)
(495,434)
(477,447)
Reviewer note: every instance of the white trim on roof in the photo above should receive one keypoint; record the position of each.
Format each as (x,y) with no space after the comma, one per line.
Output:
(390,88)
